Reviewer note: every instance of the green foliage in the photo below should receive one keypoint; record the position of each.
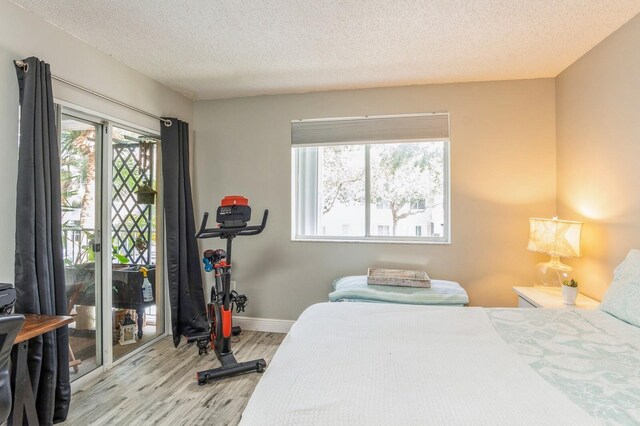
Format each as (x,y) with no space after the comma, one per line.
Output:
(77,173)
(79,194)
(73,166)
(572,283)
(406,173)
(401,174)
(346,182)
(121,258)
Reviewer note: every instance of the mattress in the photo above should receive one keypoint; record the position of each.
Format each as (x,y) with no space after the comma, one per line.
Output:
(369,364)
(355,289)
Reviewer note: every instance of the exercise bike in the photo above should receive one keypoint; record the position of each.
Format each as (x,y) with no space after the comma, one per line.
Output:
(233,216)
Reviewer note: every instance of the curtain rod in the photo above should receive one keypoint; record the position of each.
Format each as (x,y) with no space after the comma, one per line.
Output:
(25,67)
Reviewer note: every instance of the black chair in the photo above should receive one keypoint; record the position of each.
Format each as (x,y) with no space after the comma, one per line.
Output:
(10,326)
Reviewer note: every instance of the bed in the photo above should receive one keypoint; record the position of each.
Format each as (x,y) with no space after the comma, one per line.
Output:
(401,364)
(367,364)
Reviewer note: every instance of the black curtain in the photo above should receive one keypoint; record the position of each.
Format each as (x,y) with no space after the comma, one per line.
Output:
(188,308)
(39,266)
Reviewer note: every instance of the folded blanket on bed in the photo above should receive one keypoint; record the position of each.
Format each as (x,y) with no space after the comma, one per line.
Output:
(356,289)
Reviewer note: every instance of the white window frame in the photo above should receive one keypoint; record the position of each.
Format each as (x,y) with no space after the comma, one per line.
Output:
(311,182)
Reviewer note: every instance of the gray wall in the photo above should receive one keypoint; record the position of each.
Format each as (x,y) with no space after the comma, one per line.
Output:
(23,34)
(503,164)
(502,172)
(598,131)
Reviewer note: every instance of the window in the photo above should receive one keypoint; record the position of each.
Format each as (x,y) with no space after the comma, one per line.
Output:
(419,204)
(377,178)
(383,230)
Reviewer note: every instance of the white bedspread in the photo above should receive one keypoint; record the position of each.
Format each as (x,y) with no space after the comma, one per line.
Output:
(369,364)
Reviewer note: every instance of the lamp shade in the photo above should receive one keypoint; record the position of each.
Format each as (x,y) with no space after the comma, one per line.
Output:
(555,237)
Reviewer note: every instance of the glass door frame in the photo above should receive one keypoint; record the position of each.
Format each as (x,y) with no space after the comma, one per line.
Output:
(98,255)
(104,178)
(162,296)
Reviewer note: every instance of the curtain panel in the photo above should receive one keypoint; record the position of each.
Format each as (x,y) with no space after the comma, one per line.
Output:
(186,295)
(39,266)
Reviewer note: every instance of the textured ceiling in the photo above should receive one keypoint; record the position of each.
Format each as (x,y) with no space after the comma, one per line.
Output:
(230,48)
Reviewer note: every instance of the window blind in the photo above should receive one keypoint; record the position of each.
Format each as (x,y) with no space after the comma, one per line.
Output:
(375,129)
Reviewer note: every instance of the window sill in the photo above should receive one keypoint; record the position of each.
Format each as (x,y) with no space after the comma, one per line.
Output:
(369,241)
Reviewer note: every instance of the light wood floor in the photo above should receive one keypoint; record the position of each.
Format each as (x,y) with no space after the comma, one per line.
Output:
(158,386)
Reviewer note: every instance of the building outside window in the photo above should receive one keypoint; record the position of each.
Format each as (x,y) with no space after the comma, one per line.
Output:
(419,204)
(383,230)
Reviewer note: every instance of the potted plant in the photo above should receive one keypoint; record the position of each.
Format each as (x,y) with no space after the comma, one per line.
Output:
(569,291)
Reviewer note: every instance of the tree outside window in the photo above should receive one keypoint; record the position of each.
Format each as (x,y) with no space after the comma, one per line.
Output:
(403,185)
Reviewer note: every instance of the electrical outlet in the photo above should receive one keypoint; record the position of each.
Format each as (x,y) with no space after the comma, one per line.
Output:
(233,285)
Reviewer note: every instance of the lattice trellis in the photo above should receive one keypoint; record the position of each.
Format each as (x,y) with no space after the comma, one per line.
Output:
(130,221)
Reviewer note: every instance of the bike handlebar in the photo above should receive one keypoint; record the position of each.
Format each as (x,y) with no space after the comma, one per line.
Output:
(205,232)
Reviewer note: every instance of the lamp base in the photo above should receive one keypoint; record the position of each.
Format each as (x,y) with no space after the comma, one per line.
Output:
(552,273)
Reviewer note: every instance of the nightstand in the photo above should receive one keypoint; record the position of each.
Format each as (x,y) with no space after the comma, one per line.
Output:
(550,297)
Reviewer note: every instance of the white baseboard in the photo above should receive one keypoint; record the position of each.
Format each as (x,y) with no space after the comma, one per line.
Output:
(263,324)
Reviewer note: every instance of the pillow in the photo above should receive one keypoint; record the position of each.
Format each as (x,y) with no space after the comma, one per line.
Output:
(622,299)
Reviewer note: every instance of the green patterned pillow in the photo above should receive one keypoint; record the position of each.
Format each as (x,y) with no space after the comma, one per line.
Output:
(622,299)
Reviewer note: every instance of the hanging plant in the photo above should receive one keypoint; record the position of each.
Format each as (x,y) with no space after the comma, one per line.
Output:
(141,244)
(145,193)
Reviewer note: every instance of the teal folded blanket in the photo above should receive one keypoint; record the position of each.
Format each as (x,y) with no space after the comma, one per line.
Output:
(356,289)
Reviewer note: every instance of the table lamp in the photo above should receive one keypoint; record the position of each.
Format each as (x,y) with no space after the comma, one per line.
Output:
(557,238)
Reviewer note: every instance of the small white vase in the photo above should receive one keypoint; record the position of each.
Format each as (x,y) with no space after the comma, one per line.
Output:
(569,295)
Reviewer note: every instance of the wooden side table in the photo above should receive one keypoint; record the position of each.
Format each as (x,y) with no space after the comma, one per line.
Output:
(23,399)
(550,297)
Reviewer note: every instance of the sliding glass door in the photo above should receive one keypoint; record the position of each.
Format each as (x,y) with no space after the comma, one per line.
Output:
(137,291)
(112,239)
(80,147)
